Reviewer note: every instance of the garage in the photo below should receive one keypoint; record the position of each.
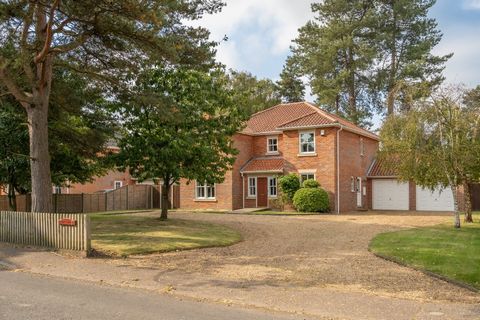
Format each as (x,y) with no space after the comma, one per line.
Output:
(390,194)
(436,200)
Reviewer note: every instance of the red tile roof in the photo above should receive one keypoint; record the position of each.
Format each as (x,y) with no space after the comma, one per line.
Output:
(380,169)
(297,115)
(264,164)
(268,120)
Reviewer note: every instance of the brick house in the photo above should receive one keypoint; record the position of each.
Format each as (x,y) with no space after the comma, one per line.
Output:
(293,137)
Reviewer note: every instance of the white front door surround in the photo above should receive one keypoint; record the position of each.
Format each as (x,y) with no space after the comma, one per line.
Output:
(359,192)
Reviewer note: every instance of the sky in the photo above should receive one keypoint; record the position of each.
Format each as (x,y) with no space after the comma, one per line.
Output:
(260,32)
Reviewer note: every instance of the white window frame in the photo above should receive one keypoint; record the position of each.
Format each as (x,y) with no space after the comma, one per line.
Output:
(362,147)
(115,184)
(307,174)
(205,188)
(275,187)
(249,186)
(56,190)
(300,142)
(276,145)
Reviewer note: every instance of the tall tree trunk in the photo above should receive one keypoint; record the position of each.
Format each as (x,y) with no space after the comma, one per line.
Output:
(456,214)
(352,98)
(467,203)
(12,198)
(39,154)
(392,88)
(165,200)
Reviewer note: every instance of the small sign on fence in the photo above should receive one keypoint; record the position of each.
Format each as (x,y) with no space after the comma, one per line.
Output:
(67,222)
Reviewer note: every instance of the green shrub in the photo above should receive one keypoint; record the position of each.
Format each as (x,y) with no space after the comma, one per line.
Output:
(311,200)
(310,183)
(289,184)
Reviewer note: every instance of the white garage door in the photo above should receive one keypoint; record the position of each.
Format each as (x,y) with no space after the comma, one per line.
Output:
(389,194)
(434,201)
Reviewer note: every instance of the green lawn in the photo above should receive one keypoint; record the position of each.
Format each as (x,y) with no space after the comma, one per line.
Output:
(283,213)
(453,253)
(123,234)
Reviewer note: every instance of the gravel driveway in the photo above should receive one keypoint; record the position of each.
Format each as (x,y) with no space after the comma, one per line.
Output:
(305,253)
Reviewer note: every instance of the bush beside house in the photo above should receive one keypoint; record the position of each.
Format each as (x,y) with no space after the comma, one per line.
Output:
(289,184)
(311,198)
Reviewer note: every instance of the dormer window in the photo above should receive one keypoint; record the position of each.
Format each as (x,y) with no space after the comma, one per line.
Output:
(272,145)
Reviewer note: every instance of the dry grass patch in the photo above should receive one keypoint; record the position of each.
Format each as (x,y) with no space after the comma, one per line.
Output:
(126,234)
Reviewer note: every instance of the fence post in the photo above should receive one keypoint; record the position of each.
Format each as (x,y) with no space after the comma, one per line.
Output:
(83,200)
(127,200)
(88,246)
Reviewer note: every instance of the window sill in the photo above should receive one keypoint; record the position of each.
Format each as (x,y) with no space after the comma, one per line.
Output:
(273,153)
(205,200)
(313,154)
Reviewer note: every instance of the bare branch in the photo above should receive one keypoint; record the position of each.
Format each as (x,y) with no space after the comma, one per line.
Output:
(72,45)
(21,97)
(48,40)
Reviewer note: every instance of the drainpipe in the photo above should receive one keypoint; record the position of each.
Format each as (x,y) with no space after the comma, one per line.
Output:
(243,191)
(338,169)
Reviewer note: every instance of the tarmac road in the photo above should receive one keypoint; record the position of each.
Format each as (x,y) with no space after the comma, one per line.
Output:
(27,296)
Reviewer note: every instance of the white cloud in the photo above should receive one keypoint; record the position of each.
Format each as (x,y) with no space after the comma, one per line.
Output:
(260,29)
(471,4)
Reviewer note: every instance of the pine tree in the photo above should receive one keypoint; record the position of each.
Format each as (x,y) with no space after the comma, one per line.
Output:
(335,52)
(406,37)
(103,39)
(290,86)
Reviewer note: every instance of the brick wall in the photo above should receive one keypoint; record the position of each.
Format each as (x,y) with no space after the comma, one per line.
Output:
(322,164)
(353,164)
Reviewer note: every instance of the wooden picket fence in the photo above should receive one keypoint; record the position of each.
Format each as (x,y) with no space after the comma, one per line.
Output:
(50,230)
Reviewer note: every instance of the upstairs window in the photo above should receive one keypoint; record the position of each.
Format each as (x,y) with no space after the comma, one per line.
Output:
(362,147)
(205,191)
(307,142)
(272,145)
(117,184)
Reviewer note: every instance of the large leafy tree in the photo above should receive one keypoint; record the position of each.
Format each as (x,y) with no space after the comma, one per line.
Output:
(252,94)
(179,126)
(406,36)
(14,160)
(335,51)
(437,142)
(78,131)
(102,39)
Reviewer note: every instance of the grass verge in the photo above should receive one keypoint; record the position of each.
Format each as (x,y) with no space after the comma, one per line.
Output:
(443,250)
(283,213)
(126,234)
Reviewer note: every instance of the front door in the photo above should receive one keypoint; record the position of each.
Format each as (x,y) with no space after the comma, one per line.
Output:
(262,197)
(359,192)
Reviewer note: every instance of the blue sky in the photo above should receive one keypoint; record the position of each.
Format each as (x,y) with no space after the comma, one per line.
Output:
(260,34)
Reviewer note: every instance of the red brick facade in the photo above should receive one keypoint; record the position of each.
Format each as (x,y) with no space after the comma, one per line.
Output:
(353,160)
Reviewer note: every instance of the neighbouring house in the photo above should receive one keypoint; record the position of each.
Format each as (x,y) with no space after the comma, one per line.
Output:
(294,137)
(113,179)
